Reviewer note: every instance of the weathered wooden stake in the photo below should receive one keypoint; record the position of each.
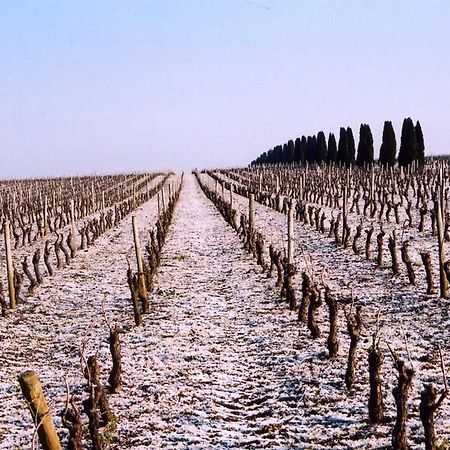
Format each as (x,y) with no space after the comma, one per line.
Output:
(290,232)
(440,233)
(251,211)
(32,391)
(72,223)
(231,195)
(45,216)
(344,211)
(9,266)
(163,201)
(93,197)
(134,195)
(137,248)
(372,182)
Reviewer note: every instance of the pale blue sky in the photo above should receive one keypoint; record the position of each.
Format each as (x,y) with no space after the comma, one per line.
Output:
(111,86)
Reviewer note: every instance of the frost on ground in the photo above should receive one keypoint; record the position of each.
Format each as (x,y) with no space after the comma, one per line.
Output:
(45,333)
(425,320)
(218,362)
(214,365)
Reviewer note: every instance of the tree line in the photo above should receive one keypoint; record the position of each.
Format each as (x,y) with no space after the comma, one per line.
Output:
(316,149)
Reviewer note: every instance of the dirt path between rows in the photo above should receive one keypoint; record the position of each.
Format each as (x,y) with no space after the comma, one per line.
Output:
(219,370)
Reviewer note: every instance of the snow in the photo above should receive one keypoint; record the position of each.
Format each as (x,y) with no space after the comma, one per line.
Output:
(218,361)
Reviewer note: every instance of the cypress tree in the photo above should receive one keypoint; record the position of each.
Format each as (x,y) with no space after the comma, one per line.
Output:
(420,155)
(303,149)
(321,152)
(314,151)
(278,153)
(365,146)
(290,151)
(408,144)
(332,149)
(388,147)
(370,150)
(360,156)
(309,151)
(261,159)
(342,152)
(298,150)
(351,146)
(285,154)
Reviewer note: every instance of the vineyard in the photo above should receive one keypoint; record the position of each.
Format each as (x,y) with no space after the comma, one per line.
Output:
(273,306)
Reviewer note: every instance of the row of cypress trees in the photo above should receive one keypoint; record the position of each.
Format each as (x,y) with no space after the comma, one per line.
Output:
(316,149)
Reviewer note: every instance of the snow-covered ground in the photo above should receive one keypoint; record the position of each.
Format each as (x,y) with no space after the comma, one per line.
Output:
(218,361)
(425,320)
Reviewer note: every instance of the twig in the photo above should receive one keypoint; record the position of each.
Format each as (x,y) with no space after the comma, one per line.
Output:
(393,354)
(67,395)
(84,362)
(444,375)
(406,342)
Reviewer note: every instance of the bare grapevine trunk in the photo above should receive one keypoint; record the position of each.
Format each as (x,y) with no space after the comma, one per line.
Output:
(332,341)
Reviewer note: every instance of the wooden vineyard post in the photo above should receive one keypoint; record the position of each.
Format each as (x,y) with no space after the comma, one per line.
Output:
(215,188)
(32,391)
(163,202)
(372,182)
(300,188)
(251,211)
(9,266)
(223,191)
(159,206)
(45,216)
(344,211)
(231,195)
(137,248)
(93,197)
(103,200)
(279,200)
(439,207)
(72,223)
(170,192)
(290,244)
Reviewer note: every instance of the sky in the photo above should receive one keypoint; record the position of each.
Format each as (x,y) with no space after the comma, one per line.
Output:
(96,86)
